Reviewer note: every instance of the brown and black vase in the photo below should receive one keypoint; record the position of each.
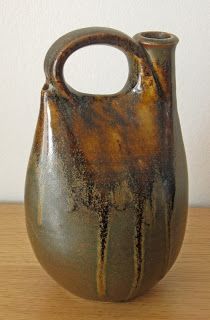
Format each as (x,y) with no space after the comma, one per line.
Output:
(106,191)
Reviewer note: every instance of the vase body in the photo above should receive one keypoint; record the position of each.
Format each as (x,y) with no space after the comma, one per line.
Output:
(106,190)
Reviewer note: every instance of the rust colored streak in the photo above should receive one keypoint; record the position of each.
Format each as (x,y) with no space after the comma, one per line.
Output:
(164,75)
(38,137)
(43,130)
(39,215)
(118,132)
(138,249)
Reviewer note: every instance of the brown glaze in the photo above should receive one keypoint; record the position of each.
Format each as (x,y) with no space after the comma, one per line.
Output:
(106,189)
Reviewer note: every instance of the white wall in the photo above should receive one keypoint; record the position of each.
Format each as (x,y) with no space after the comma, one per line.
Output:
(28,28)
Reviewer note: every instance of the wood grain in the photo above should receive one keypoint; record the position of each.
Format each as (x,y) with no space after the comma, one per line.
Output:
(27,292)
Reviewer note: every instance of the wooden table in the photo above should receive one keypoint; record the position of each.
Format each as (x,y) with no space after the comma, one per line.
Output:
(27,292)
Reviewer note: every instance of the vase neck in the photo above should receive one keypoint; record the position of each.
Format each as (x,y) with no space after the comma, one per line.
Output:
(160,49)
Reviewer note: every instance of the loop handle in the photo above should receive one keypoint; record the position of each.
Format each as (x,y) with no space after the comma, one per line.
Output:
(72,41)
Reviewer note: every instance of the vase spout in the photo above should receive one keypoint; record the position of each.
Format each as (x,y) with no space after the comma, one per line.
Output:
(160,50)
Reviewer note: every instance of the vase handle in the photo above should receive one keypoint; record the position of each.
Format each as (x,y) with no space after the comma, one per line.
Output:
(72,41)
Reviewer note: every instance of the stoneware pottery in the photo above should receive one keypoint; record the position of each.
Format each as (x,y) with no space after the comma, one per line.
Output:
(106,191)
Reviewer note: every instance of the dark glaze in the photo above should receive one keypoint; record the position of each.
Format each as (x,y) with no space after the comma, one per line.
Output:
(106,188)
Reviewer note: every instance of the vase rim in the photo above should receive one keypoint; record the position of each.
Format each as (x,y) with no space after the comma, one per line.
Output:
(156,38)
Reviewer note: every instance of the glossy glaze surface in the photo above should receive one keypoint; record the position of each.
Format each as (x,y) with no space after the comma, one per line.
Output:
(106,189)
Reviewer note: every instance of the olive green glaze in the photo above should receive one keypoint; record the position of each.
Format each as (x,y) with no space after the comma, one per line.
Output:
(106,189)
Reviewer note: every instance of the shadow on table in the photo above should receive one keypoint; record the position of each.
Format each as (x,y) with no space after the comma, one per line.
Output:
(62,305)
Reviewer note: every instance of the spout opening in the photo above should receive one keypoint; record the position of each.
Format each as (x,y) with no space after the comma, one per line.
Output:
(156,35)
(157,38)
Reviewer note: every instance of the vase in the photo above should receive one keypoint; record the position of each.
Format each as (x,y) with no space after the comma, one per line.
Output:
(106,191)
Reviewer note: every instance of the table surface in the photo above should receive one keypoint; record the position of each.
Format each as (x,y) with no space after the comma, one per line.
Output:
(27,292)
